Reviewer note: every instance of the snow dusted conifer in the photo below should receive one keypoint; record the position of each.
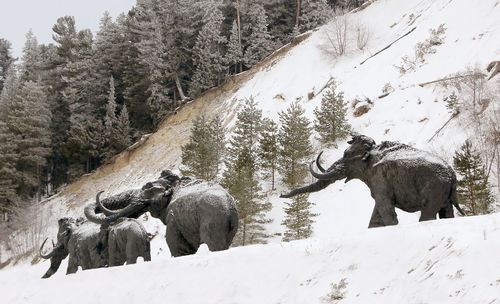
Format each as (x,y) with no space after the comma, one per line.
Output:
(8,148)
(110,118)
(30,66)
(5,60)
(203,153)
(234,54)
(122,130)
(474,193)
(298,219)
(314,13)
(28,120)
(295,146)
(331,121)
(9,92)
(241,177)
(295,149)
(208,51)
(117,129)
(268,148)
(259,42)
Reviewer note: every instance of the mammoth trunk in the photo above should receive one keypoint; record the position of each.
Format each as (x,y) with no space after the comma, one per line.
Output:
(55,261)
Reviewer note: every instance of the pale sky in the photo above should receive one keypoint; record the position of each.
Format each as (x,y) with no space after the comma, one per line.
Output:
(18,16)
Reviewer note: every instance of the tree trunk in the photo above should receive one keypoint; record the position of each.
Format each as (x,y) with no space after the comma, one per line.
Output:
(179,87)
(239,29)
(297,16)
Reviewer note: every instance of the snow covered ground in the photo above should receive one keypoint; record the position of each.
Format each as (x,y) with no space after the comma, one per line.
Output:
(443,261)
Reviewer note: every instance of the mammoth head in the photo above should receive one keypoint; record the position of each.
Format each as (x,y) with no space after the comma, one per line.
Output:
(354,160)
(60,250)
(360,146)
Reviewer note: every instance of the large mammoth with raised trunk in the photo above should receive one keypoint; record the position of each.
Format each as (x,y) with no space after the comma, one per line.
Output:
(92,246)
(398,176)
(195,211)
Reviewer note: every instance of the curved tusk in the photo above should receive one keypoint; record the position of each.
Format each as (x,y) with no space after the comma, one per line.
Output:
(318,164)
(51,254)
(104,210)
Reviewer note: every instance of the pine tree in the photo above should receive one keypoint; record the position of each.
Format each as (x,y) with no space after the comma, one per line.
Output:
(452,103)
(295,149)
(241,177)
(474,192)
(234,54)
(6,60)
(268,148)
(208,51)
(203,153)
(30,68)
(8,149)
(28,121)
(8,172)
(122,130)
(112,131)
(298,219)
(110,118)
(331,122)
(259,42)
(314,13)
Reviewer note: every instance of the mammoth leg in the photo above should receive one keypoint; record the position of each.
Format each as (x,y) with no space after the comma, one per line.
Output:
(132,250)
(383,214)
(376,220)
(113,251)
(446,212)
(176,242)
(215,236)
(72,264)
(433,202)
(427,215)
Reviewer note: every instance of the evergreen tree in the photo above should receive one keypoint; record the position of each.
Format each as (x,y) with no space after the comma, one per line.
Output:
(268,148)
(331,122)
(241,177)
(259,42)
(234,54)
(281,18)
(110,118)
(28,118)
(295,149)
(30,68)
(208,51)
(8,150)
(9,92)
(314,13)
(452,103)
(6,60)
(203,153)
(298,219)
(474,192)
(122,130)
(84,147)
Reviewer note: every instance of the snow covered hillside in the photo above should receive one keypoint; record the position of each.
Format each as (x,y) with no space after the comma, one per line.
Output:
(443,261)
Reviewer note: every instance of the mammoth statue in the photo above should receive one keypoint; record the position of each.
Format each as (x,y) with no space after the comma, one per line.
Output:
(397,175)
(92,246)
(194,211)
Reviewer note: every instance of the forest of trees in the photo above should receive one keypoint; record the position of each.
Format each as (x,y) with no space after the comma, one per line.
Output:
(69,106)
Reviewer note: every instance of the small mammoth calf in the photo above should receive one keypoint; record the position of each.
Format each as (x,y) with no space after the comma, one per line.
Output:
(93,246)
